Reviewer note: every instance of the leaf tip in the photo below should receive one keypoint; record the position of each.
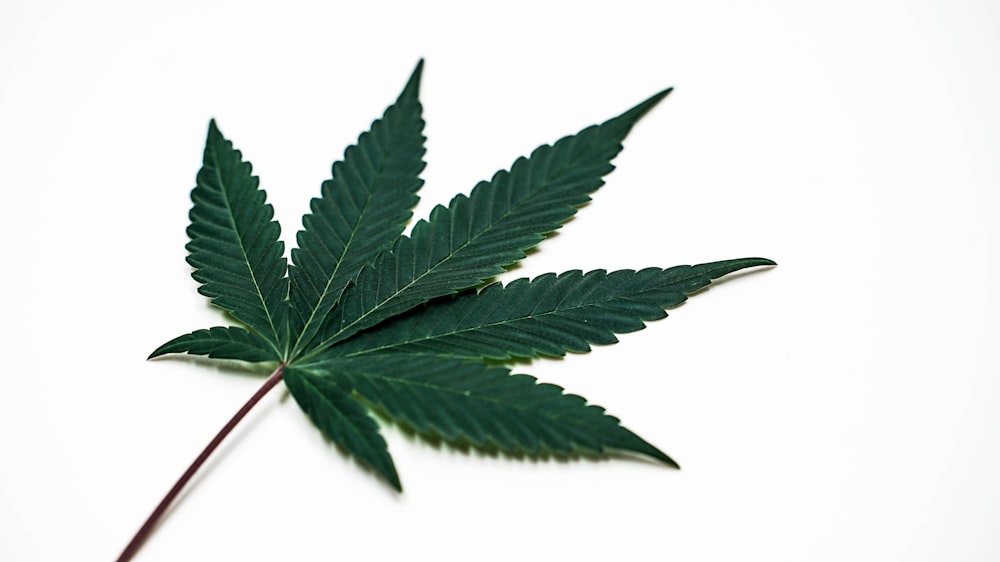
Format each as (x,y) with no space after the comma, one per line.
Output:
(623,123)
(671,462)
(660,456)
(213,130)
(413,84)
(636,444)
(388,472)
(715,270)
(645,106)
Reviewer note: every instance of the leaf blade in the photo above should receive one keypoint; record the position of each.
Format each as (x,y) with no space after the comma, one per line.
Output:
(478,236)
(484,405)
(548,315)
(343,420)
(220,342)
(361,211)
(234,245)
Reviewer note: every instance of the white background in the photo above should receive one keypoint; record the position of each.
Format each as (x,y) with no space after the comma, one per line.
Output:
(842,406)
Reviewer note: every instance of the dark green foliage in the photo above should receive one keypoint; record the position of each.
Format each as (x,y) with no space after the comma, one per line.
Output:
(362,211)
(368,318)
(234,243)
(342,418)
(463,400)
(548,315)
(220,343)
(476,237)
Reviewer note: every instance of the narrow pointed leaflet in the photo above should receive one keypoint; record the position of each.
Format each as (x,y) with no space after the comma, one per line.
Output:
(548,315)
(366,321)
(220,343)
(362,211)
(478,236)
(344,420)
(234,245)
(469,401)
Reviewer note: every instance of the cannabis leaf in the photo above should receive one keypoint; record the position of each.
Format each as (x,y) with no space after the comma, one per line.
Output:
(365,319)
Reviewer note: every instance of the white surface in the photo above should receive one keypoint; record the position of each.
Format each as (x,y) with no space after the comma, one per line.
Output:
(842,406)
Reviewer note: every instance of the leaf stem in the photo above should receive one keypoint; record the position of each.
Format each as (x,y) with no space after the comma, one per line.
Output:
(147,527)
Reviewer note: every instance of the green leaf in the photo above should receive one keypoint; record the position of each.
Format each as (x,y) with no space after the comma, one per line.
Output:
(361,212)
(478,236)
(548,315)
(342,419)
(234,245)
(469,401)
(221,343)
(367,319)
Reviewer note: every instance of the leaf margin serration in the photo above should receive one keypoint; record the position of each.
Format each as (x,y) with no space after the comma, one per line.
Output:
(548,420)
(342,419)
(489,246)
(220,342)
(280,335)
(232,234)
(548,315)
(362,209)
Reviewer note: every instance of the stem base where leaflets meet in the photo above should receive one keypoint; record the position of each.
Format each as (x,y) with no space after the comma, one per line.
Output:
(151,522)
